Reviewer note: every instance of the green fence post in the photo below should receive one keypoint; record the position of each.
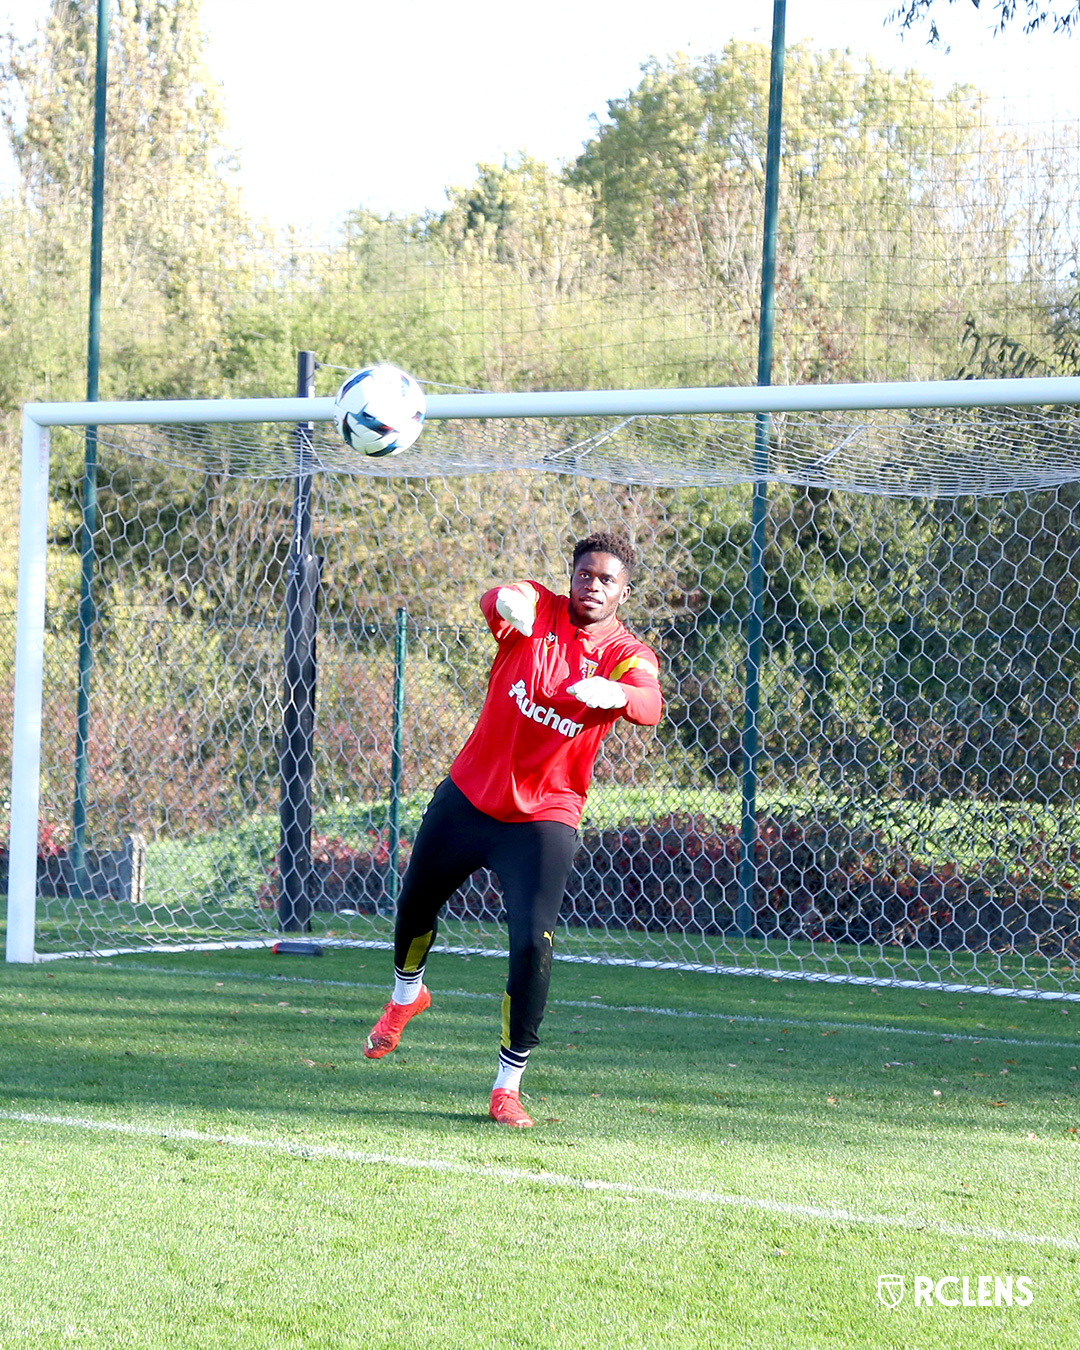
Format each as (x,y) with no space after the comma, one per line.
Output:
(393,881)
(87,614)
(755,619)
(297,755)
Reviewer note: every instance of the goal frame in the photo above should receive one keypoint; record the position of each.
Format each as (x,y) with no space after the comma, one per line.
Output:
(39,418)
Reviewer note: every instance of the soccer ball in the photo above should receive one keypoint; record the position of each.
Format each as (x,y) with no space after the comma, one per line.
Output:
(380,410)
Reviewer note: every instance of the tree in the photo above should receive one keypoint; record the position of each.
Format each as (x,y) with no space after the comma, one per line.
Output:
(175,231)
(982,686)
(165,113)
(897,205)
(1064,16)
(525,213)
(838,570)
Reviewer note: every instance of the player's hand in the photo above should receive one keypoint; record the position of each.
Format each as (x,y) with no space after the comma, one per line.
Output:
(596,692)
(517,609)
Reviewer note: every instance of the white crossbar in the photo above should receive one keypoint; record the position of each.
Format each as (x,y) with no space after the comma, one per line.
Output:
(586,403)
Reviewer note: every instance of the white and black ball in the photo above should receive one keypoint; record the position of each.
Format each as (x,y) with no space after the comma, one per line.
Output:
(380,410)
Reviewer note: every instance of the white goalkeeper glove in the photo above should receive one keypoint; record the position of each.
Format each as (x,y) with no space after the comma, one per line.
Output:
(517,609)
(596,692)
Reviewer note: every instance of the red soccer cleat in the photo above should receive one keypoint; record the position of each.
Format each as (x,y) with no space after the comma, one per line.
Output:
(506,1108)
(385,1034)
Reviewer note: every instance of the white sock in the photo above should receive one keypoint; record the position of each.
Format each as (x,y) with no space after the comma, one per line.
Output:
(407,987)
(511,1067)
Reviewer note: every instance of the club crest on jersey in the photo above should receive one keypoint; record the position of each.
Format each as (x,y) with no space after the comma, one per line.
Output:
(588,668)
(536,712)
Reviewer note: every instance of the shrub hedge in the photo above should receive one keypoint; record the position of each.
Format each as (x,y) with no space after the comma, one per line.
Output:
(816,880)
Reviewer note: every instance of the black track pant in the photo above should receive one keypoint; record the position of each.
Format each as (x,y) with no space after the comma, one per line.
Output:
(532,860)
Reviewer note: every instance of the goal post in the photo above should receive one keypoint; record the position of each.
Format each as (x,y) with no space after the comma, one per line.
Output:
(27,702)
(869,746)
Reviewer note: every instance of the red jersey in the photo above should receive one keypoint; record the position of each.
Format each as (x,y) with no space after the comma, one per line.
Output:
(532,751)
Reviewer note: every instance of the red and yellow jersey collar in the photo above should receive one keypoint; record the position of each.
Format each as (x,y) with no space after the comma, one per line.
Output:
(600,633)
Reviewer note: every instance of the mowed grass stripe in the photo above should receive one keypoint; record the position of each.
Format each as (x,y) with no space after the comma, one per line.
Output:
(550,1180)
(641,1009)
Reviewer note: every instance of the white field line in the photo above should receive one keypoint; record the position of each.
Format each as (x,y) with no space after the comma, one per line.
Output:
(594,1005)
(553,1180)
(694,967)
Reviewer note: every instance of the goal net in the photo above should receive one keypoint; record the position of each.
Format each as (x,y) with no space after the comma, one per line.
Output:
(909,808)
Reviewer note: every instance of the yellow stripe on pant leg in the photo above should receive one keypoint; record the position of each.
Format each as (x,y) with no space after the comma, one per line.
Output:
(505,1022)
(418,950)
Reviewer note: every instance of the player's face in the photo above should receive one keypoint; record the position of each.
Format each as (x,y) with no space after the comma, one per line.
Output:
(598,586)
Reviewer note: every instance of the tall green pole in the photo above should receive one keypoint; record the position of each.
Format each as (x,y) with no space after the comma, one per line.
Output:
(755,620)
(297,757)
(393,883)
(89,490)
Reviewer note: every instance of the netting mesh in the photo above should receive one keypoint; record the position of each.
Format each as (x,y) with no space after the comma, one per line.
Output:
(920,722)
(908,452)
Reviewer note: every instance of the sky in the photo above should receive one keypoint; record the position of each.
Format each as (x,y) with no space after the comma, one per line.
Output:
(335,104)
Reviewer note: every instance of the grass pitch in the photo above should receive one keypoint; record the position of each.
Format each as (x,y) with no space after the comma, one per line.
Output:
(196,1154)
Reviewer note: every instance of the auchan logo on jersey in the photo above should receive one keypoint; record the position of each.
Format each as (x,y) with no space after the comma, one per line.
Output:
(546,717)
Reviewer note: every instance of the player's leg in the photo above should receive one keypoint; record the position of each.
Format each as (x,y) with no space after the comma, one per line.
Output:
(533,862)
(449,847)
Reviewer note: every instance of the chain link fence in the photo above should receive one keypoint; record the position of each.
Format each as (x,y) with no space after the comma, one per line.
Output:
(920,724)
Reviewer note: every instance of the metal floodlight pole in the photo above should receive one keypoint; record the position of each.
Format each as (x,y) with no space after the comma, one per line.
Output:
(298,715)
(755,619)
(87,614)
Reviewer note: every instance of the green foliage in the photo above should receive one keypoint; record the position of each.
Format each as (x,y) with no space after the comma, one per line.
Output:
(982,690)
(178,243)
(1064,17)
(875,169)
(638,264)
(838,567)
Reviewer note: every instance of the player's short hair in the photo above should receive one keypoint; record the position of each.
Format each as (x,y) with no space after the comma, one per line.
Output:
(604,541)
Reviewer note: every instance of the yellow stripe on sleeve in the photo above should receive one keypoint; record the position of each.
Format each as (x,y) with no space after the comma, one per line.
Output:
(634,663)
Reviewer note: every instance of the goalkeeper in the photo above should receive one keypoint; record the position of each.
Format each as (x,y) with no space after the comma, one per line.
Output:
(565,670)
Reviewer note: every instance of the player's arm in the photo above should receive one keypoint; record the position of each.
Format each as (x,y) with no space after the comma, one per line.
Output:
(510,610)
(633,687)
